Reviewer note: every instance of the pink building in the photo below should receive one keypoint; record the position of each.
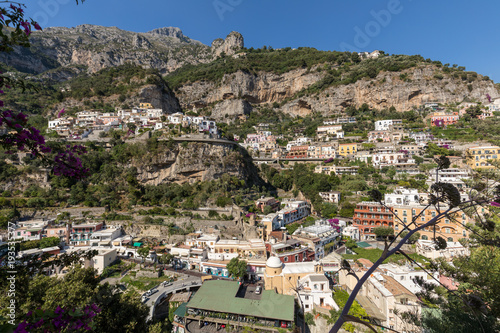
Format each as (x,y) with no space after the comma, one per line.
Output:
(61,231)
(80,233)
(28,234)
(444,119)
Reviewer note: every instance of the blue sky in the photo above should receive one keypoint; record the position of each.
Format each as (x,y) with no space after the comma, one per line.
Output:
(456,32)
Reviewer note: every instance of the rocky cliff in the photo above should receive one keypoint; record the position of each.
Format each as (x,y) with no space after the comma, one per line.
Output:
(97,47)
(191,162)
(420,84)
(228,80)
(229,46)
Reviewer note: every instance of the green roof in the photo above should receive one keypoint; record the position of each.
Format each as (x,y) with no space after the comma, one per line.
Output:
(220,296)
(181,310)
(363,244)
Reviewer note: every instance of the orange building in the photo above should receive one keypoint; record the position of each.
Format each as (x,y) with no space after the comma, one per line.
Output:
(370,215)
(298,152)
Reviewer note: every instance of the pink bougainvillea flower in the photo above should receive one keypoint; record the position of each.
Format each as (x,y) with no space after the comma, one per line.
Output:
(27,28)
(37,26)
(61,113)
(494,204)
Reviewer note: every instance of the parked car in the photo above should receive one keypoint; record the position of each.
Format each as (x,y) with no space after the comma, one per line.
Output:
(144,299)
(153,291)
(166,283)
(258,290)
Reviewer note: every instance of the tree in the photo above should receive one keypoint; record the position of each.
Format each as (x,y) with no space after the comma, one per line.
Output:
(413,238)
(237,268)
(384,232)
(143,252)
(79,288)
(268,210)
(165,259)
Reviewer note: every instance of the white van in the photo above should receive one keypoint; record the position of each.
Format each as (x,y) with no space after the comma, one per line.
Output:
(258,290)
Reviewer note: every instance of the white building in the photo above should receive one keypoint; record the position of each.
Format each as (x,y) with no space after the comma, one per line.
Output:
(314,290)
(330,131)
(104,237)
(208,126)
(403,196)
(427,249)
(407,275)
(332,196)
(385,125)
(351,232)
(102,260)
(293,211)
(317,236)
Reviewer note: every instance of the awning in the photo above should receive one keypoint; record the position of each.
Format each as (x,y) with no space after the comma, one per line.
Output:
(104,242)
(137,244)
(174,253)
(116,243)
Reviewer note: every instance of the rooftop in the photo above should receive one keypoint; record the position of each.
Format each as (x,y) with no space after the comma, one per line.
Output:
(220,296)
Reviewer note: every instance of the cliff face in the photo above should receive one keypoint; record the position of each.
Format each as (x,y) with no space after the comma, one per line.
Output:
(232,43)
(97,47)
(383,91)
(192,162)
(62,53)
(255,88)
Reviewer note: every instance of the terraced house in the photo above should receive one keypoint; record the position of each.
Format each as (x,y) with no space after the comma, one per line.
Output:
(478,157)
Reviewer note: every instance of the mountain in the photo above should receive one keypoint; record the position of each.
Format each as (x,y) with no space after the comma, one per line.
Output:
(56,50)
(226,80)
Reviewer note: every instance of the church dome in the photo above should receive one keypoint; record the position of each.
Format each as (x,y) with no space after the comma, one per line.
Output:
(274,262)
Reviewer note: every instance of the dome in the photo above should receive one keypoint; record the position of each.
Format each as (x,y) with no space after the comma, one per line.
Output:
(274,262)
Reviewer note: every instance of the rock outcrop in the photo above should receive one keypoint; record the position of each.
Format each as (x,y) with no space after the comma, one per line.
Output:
(192,162)
(229,110)
(233,43)
(383,91)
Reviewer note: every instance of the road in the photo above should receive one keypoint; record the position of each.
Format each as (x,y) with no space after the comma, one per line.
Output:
(184,282)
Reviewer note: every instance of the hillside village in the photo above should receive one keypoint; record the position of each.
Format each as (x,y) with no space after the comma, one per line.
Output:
(281,263)
(230,189)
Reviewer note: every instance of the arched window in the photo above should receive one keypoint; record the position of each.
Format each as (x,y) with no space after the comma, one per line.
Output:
(450,239)
(424,237)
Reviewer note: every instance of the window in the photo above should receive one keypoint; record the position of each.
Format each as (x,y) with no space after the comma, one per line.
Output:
(286,259)
(446,221)
(404,212)
(404,220)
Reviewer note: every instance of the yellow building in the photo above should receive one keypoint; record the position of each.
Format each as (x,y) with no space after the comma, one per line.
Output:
(477,157)
(283,278)
(346,149)
(145,106)
(451,228)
